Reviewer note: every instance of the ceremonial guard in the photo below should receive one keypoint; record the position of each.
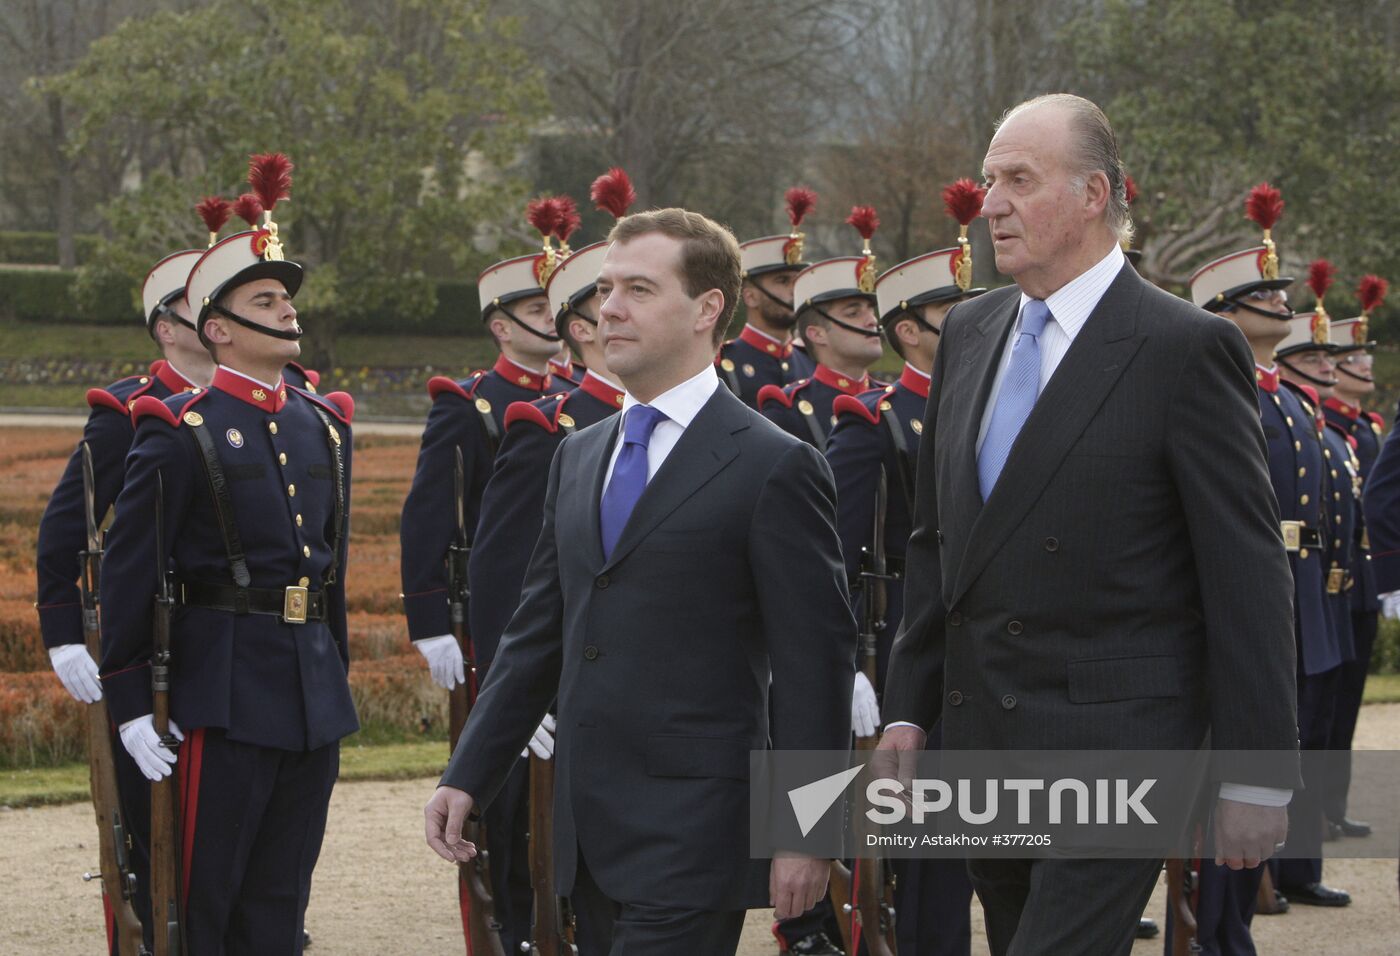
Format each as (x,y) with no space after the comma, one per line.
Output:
(1345,411)
(876,437)
(512,507)
(468,417)
(835,302)
(763,353)
(248,652)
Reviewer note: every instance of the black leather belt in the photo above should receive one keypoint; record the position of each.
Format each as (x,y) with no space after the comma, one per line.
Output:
(1297,535)
(294,605)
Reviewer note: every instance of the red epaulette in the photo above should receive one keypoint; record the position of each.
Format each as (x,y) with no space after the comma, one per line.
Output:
(1311,393)
(786,394)
(1377,419)
(339,404)
(851,405)
(312,376)
(101,398)
(442,385)
(148,406)
(530,413)
(1351,440)
(154,369)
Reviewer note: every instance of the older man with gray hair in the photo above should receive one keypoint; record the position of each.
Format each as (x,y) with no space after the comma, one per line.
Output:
(1096,561)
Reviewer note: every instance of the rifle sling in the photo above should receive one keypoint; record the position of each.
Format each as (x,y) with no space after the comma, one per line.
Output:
(901,454)
(223,509)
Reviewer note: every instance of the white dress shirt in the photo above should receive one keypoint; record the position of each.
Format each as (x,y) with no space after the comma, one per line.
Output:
(270,388)
(680,405)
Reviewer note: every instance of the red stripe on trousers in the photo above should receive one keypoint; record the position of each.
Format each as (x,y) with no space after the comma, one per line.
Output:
(189,765)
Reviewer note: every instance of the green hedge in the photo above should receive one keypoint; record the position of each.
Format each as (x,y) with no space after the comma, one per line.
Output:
(46,295)
(41,248)
(1385,658)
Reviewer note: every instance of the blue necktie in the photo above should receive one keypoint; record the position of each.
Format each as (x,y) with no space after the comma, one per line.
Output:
(629,477)
(1020,387)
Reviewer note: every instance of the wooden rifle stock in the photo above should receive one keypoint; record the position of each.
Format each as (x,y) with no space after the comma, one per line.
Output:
(166,904)
(1181,884)
(865,905)
(118,882)
(553,930)
(473,877)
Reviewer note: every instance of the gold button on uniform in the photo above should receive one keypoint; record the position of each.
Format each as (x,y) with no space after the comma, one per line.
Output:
(282,458)
(306,550)
(1297,446)
(303,582)
(291,491)
(272,427)
(298,521)
(1302,472)
(1303,500)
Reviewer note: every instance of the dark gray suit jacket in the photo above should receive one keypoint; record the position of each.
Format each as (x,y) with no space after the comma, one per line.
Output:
(727,575)
(1125,585)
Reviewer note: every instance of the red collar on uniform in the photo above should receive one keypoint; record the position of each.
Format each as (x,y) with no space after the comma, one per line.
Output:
(172,379)
(765,342)
(564,368)
(851,386)
(916,381)
(520,375)
(1267,379)
(1350,411)
(242,387)
(605,392)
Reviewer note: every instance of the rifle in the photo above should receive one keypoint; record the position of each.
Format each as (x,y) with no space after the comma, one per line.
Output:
(473,877)
(1183,879)
(118,882)
(553,931)
(166,908)
(863,897)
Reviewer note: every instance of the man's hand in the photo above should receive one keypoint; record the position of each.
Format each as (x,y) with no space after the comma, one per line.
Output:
(796,883)
(1246,834)
(75,669)
(897,757)
(140,739)
(444,659)
(443,819)
(865,711)
(542,743)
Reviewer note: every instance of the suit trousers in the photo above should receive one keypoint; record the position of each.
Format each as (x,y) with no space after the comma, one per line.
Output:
(1048,907)
(252,821)
(640,929)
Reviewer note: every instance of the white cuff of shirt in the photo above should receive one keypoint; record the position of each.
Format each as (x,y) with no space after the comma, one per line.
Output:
(903,723)
(1259,796)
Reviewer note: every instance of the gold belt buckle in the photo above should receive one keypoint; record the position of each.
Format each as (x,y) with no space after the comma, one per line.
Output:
(1292,535)
(1335,578)
(294,604)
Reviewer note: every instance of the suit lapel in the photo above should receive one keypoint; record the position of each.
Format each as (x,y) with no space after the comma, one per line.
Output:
(706,447)
(594,463)
(1092,366)
(986,342)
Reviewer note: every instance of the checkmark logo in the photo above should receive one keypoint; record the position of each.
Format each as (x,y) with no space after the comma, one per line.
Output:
(811,801)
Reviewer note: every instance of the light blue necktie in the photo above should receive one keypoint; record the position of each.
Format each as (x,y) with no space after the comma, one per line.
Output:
(629,477)
(1020,387)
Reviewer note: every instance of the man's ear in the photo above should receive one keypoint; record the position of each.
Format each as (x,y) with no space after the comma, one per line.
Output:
(711,308)
(216,331)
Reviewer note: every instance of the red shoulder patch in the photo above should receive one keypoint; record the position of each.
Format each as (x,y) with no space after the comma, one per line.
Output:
(343,403)
(148,406)
(155,367)
(442,385)
(1376,417)
(1310,391)
(311,375)
(850,405)
(527,412)
(101,398)
(773,393)
(1351,440)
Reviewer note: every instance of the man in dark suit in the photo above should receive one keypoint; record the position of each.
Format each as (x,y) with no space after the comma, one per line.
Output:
(1096,561)
(686,595)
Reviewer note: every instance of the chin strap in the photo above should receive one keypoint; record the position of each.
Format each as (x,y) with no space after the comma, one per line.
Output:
(1237,304)
(871,333)
(535,332)
(1353,375)
(287,335)
(917,319)
(1320,383)
(783,302)
(165,311)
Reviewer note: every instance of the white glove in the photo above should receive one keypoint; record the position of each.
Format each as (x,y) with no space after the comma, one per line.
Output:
(444,659)
(140,739)
(76,669)
(865,712)
(542,744)
(1390,605)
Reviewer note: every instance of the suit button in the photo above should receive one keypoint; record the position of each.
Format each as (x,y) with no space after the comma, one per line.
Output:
(1008,702)
(1052,544)
(939,533)
(955,619)
(590,653)
(602,582)
(1014,627)
(955,698)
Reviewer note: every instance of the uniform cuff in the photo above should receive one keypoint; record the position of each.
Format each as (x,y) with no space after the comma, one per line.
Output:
(61,624)
(428,614)
(128,693)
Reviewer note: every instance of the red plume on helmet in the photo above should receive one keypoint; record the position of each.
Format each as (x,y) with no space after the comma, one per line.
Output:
(569,221)
(270,175)
(1321,275)
(1264,206)
(612,192)
(248,208)
(1130,190)
(962,200)
(1371,291)
(215,211)
(545,215)
(865,221)
(800,202)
